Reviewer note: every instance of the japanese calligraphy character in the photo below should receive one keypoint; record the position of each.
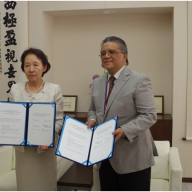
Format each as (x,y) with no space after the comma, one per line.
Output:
(10,56)
(10,5)
(9,20)
(10,83)
(11,72)
(11,38)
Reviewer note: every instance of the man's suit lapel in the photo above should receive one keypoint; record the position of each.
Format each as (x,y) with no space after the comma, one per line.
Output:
(123,78)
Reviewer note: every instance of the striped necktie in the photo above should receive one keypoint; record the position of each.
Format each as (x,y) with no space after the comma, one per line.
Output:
(111,79)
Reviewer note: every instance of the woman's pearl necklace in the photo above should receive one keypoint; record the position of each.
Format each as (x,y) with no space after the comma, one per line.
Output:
(37,90)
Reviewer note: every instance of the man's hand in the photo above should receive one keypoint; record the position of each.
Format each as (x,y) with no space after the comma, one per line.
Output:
(118,134)
(91,123)
(43,147)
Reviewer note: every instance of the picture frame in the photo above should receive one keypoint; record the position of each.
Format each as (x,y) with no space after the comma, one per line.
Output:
(159,102)
(69,103)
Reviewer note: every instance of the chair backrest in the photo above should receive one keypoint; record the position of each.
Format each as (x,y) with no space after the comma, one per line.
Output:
(6,165)
(161,168)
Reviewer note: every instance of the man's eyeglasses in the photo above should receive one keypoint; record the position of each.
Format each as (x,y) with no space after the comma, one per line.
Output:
(109,53)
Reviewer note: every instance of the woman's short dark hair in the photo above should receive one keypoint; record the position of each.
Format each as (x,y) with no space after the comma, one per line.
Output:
(40,54)
(122,44)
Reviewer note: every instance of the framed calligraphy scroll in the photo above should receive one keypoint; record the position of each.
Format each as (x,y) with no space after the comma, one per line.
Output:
(159,101)
(69,103)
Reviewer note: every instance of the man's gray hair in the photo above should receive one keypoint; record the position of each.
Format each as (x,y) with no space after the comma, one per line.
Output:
(122,44)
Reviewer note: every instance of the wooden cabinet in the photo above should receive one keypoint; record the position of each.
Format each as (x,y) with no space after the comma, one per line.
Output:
(81,116)
(161,130)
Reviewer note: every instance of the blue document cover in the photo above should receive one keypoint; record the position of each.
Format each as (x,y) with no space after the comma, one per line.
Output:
(86,146)
(28,124)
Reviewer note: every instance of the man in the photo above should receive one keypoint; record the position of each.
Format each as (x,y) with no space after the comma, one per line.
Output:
(128,95)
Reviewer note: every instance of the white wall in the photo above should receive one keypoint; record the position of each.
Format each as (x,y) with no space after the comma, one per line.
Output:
(180,86)
(77,47)
(75,5)
(41,26)
(189,80)
(179,59)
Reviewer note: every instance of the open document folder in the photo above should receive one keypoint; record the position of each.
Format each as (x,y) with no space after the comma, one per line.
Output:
(30,124)
(86,146)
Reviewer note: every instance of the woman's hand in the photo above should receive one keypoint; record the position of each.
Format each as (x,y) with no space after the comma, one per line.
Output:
(43,147)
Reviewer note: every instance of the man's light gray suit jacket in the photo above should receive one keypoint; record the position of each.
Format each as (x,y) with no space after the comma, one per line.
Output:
(132,100)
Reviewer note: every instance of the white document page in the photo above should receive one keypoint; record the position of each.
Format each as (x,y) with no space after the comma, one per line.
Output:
(75,141)
(103,140)
(40,124)
(12,123)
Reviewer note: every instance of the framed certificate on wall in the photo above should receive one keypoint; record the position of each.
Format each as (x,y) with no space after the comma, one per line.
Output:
(69,103)
(159,101)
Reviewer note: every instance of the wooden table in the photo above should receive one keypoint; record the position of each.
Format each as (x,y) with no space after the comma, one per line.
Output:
(77,177)
(81,116)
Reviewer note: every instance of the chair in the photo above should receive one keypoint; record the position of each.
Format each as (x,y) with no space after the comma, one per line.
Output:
(7,168)
(166,174)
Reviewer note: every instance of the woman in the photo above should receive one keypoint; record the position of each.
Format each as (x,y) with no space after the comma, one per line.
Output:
(36,168)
